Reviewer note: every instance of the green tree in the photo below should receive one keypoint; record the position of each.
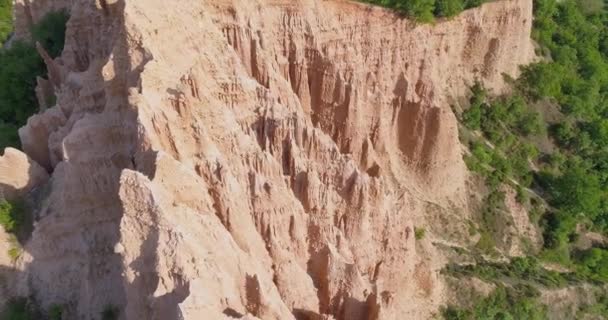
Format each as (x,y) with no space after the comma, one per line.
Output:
(594,264)
(21,64)
(6,19)
(50,32)
(577,191)
(448,8)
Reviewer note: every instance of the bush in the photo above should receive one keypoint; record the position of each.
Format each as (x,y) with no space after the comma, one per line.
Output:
(6,19)
(486,243)
(50,32)
(21,64)
(419,233)
(14,253)
(576,191)
(471,117)
(448,8)
(593,264)
(12,216)
(521,195)
(426,10)
(504,303)
(20,67)
(520,270)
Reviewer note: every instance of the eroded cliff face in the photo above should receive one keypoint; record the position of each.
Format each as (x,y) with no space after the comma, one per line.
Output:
(270,159)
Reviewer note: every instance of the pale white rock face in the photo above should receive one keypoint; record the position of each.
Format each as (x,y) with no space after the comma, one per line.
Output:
(255,158)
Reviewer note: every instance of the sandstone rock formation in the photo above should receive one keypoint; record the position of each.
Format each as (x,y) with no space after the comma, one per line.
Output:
(19,174)
(251,159)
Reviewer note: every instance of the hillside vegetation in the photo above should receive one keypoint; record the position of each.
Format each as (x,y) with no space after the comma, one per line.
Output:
(21,64)
(6,19)
(556,160)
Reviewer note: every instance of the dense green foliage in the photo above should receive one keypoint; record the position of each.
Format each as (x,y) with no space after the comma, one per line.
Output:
(50,32)
(21,64)
(564,186)
(518,302)
(6,20)
(427,10)
(503,154)
(12,216)
(528,271)
(573,178)
(15,220)
(575,35)
(592,264)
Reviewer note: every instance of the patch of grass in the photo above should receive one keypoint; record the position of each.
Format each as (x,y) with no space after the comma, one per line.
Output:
(14,252)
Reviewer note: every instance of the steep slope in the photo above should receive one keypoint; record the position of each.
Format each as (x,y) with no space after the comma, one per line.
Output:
(273,158)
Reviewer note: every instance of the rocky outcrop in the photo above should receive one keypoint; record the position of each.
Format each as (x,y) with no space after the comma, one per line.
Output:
(243,159)
(19,174)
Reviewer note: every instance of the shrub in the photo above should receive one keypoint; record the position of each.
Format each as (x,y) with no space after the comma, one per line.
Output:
(50,32)
(20,67)
(14,253)
(474,165)
(426,10)
(21,64)
(12,216)
(519,302)
(530,124)
(593,264)
(521,196)
(471,117)
(448,8)
(577,191)
(419,233)
(486,243)
(6,8)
